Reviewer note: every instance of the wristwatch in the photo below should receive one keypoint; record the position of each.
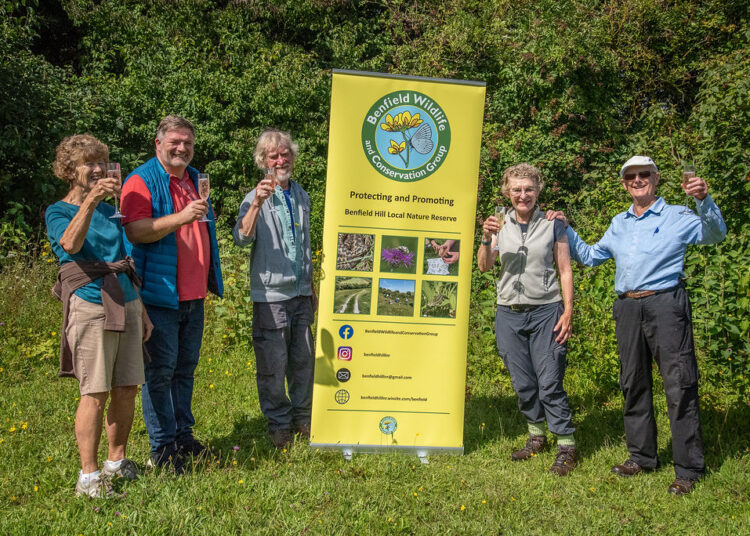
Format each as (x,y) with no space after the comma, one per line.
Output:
(487,243)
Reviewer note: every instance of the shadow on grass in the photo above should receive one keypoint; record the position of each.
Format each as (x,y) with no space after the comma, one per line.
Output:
(726,435)
(250,434)
(491,418)
(598,420)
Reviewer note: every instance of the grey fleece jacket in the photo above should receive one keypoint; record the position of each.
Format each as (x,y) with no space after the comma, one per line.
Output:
(272,274)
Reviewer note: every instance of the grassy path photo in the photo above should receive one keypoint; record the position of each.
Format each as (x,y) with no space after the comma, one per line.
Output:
(350,306)
(352,295)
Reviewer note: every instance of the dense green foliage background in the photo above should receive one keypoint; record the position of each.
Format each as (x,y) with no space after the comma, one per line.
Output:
(573,86)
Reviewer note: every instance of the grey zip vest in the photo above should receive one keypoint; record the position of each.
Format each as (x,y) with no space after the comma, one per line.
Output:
(527,263)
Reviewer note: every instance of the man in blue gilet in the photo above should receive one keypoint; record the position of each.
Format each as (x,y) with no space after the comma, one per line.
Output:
(177,257)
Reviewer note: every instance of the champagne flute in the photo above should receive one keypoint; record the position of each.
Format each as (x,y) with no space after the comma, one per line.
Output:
(113,172)
(204,189)
(500,215)
(688,172)
(272,173)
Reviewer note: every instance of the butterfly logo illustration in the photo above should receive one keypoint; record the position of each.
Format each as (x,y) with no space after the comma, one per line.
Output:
(422,139)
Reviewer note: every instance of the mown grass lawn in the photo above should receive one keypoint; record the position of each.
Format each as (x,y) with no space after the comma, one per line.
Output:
(252,488)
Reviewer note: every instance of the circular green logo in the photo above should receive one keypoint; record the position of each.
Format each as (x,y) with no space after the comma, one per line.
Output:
(406,136)
(388,425)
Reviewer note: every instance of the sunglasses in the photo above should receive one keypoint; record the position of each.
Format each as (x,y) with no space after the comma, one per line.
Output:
(641,174)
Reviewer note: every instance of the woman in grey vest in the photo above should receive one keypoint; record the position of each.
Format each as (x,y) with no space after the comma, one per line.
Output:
(534,311)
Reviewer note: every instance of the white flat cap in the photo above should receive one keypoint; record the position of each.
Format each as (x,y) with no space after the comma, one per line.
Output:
(638,161)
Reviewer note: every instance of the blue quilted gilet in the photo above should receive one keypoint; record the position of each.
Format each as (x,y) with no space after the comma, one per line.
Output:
(156,262)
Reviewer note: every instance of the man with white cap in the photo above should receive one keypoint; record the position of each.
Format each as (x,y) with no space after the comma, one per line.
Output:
(652,315)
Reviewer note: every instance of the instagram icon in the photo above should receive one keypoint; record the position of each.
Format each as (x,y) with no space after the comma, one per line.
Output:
(345,353)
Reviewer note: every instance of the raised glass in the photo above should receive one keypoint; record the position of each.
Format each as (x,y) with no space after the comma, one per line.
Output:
(113,172)
(688,172)
(204,190)
(500,215)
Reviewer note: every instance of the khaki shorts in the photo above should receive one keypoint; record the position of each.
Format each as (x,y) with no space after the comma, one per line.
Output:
(104,359)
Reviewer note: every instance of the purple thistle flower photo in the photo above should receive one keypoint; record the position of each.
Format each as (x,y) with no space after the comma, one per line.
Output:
(398,256)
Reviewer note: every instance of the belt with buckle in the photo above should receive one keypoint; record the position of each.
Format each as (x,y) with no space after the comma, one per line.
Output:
(638,294)
(522,308)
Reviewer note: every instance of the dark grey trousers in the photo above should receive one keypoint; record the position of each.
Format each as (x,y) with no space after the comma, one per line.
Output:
(283,344)
(660,327)
(526,343)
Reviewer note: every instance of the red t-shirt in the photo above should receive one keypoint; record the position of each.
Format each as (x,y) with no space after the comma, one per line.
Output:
(193,245)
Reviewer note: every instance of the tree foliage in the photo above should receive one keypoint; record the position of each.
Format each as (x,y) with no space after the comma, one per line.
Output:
(573,86)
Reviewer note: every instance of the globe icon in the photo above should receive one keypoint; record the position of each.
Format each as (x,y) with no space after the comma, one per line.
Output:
(342,396)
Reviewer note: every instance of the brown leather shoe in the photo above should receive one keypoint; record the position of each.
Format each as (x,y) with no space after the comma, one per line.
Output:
(281,439)
(681,486)
(302,429)
(565,461)
(629,468)
(534,445)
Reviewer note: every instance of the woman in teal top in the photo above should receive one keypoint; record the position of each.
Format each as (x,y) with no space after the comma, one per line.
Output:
(102,242)
(107,362)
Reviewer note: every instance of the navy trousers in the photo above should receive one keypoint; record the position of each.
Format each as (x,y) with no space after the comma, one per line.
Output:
(660,328)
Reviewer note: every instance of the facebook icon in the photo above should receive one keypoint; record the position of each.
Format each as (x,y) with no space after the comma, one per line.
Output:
(346,331)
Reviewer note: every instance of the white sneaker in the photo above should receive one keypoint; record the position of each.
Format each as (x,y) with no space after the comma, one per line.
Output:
(98,487)
(128,470)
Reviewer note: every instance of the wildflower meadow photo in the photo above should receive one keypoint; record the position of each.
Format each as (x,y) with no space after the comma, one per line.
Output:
(396,297)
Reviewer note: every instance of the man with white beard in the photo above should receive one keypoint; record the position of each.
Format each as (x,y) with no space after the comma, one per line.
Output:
(275,217)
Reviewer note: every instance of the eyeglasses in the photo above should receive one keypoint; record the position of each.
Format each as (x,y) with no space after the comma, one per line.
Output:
(518,191)
(641,174)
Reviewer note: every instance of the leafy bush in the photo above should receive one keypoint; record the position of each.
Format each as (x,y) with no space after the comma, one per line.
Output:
(573,87)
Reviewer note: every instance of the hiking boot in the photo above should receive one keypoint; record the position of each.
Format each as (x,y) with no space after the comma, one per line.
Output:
(167,457)
(629,468)
(534,445)
(97,488)
(565,461)
(281,438)
(303,430)
(128,470)
(681,486)
(190,446)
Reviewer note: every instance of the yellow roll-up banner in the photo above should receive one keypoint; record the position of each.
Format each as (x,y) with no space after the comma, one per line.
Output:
(401,192)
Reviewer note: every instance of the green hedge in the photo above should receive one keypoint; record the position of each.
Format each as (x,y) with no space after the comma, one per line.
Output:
(573,86)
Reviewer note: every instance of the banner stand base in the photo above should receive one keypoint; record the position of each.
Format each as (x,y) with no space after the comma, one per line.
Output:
(422,453)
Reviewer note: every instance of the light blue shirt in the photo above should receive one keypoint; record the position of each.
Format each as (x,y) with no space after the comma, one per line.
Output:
(649,250)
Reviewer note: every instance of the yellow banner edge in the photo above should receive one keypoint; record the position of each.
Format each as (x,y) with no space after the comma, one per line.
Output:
(415,78)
